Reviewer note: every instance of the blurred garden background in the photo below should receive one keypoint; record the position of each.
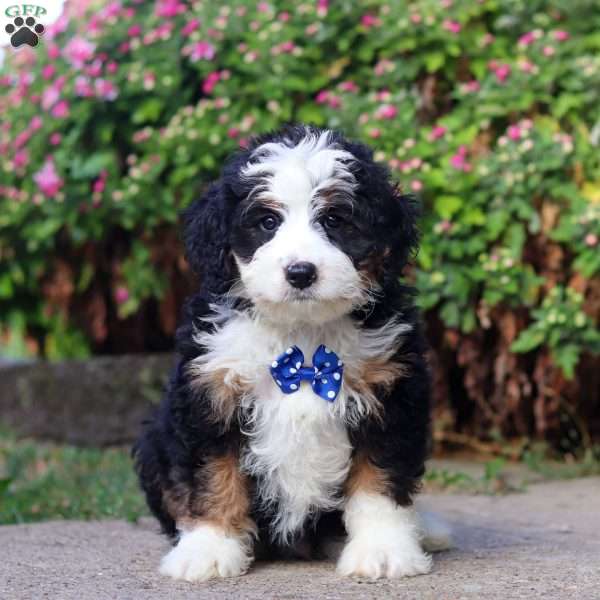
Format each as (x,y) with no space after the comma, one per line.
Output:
(487,110)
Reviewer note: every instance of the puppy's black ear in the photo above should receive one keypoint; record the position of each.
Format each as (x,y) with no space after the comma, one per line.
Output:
(404,231)
(206,227)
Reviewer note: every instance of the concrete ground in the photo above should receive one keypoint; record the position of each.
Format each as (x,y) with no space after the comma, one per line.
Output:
(544,543)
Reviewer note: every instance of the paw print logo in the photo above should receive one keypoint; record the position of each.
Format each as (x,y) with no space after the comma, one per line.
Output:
(24,31)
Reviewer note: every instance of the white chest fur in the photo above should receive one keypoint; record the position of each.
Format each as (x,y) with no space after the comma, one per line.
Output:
(298,447)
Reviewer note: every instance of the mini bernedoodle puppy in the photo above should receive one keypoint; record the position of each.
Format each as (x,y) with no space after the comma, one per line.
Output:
(300,403)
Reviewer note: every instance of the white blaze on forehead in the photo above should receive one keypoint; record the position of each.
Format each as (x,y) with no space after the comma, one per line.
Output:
(294,174)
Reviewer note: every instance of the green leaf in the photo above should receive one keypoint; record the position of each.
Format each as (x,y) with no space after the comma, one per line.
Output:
(527,341)
(434,61)
(148,111)
(567,357)
(310,113)
(446,206)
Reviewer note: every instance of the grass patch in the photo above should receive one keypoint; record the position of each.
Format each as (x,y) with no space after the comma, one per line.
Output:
(493,480)
(40,481)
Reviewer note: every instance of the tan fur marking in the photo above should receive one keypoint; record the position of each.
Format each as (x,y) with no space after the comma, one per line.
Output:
(374,373)
(373,266)
(225,389)
(224,501)
(364,476)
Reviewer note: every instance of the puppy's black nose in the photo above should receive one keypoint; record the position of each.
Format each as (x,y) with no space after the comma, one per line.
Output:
(301,274)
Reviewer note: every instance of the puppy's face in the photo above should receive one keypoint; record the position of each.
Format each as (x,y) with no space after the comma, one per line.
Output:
(304,245)
(304,225)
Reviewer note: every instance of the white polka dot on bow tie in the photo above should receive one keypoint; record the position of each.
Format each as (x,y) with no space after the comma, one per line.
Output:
(293,386)
(292,370)
(331,394)
(278,382)
(298,365)
(327,364)
(286,360)
(289,351)
(327,350)
(324,380)
(340,363)
(336,376)
(274,364)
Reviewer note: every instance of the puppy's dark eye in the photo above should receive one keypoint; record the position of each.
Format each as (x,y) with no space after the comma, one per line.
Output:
(269,222)
(331,221)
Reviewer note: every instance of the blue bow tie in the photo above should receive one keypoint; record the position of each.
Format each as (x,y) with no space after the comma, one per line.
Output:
(325,375)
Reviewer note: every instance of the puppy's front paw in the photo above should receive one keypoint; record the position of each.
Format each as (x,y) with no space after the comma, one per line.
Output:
(367,557)
(205,553)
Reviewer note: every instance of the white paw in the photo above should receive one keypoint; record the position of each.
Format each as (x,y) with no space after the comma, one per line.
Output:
(204,553)
(368,557)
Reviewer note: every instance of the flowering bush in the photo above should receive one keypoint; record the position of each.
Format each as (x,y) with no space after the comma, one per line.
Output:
(487,110)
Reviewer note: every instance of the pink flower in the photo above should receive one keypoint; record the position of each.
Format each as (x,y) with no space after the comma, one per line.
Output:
(548,51)
(95,69)
(386,111)
(591,239)
(60,110)
(121,294)
(287,46)
(48,71)
(202,50)
(487,39)
(78,51)
(58,26)
(527,39)
(100,183)
(471,87)
(451,26)
(112,67)
(21,139)
(106,89)
(502,72)
(169,8)
(527,66)
(437,132)
(55,139)
(190,27)
(284,16)
(47,179)
(53,51)
(369,21)
(36,123)
(459,160)
(262,7)
(233,132)
(416,185)
(561,36)
(383,66)
(348,86)
(21,159)
(50,97)
(111,10)
(322,97)
(210,82)
(134,30)
(83,87)
(514,132)
(322,7)
(334,101)
(375,133)
(416,18)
